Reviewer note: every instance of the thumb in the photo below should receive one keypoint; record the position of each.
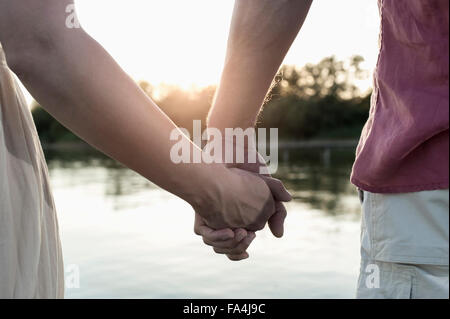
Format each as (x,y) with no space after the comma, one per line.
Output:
(276,221)
(277,188)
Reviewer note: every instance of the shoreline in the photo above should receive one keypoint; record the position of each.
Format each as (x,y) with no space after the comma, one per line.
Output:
(285,144)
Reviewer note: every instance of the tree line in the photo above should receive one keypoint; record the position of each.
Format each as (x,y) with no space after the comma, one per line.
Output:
(316,101)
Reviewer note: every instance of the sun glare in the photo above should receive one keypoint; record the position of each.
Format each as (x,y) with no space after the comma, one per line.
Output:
(183,43)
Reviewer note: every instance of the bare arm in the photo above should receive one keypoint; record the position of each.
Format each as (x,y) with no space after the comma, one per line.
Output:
(77,82)
(261,34)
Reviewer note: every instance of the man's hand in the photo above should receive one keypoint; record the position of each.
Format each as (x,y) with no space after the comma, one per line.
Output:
(279,192)
(260,36)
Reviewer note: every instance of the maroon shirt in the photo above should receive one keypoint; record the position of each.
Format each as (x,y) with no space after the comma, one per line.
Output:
(404,146)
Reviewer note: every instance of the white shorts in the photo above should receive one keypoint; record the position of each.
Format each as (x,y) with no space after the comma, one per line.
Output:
(404,245)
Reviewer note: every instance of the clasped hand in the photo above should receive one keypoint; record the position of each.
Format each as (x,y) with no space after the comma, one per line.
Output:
(245,202)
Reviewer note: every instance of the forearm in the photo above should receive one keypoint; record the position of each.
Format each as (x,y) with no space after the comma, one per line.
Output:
(261,33)
(79,84)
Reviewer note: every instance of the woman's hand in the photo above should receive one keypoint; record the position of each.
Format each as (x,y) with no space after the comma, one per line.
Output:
(235,199)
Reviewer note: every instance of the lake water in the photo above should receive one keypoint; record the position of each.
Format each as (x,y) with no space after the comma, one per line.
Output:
(127,238)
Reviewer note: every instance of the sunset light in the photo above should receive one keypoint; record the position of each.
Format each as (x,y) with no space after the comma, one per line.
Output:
(183,42)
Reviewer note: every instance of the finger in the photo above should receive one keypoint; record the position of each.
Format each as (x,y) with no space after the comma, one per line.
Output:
(201,229)
(239,249)
(227,244)
(239,235)
(277,188)
(213,236)
(276,221)
(239,257)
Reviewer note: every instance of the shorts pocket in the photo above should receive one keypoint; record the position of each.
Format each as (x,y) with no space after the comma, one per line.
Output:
(410,228)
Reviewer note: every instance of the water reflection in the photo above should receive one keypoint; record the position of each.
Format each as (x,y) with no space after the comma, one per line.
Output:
(130,239)
(319,177)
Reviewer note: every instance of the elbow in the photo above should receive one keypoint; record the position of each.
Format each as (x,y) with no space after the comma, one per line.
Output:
(26,56)
(19,63)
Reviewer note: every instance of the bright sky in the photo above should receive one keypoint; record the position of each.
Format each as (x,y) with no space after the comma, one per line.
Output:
(183,41)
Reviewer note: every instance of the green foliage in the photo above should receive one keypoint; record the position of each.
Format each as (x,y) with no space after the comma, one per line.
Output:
(327,117)
(49,130)
(315,101)
(318,101)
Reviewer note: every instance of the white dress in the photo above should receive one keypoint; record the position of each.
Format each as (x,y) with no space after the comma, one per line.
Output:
(31,263)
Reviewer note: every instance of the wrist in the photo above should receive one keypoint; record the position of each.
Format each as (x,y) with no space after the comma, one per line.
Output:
(232,146)
(230,118)
(204,192)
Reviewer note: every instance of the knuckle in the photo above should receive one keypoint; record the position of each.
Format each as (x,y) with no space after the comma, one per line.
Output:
(257,226)
(282,212)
